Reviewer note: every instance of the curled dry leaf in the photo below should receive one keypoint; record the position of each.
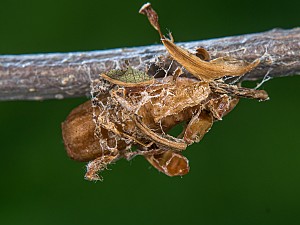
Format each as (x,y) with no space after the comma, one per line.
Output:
(201,69)
(139,110)
(202,54)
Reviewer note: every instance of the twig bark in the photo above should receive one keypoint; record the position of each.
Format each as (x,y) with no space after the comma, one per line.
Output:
(64,75)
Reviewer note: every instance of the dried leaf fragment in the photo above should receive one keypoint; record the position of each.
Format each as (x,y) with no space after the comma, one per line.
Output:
(201,69)
(170,163)
(147,10)
(128,78)
(202,54)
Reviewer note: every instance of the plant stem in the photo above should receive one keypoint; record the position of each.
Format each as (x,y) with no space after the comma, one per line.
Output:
(65,75)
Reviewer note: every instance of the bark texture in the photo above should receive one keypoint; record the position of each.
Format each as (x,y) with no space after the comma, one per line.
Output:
(64,75)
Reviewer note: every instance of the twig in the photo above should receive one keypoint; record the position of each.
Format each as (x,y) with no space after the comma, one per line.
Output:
(64,75)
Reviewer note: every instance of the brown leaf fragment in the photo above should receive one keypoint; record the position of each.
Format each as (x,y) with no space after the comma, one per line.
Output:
(147,10)
(219,106)
(198,126)
(178,72)
(202,54)
(201,69)
(223,88)
(165,141)
(207,71)
(78,134)
(173,100)
(170,163)
(97,165)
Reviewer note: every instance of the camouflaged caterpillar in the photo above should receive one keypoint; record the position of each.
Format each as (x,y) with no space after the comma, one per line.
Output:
(139,110)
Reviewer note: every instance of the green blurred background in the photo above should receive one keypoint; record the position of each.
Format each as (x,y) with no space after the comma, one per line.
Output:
(245,171)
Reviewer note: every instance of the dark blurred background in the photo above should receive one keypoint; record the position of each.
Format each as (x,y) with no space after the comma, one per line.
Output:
(245,171)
